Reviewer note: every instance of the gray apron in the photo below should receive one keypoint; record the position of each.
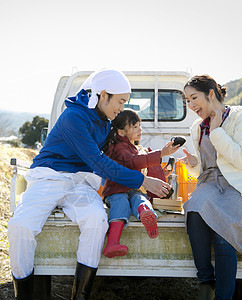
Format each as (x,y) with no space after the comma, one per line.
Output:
(217,202)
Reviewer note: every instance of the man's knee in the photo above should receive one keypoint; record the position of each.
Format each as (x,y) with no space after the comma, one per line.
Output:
(93,217)
(98,216)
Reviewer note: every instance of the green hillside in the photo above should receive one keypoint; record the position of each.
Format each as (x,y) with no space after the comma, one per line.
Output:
(234,92)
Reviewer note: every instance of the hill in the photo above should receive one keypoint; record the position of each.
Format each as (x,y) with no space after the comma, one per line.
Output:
(234,92)
(11,121)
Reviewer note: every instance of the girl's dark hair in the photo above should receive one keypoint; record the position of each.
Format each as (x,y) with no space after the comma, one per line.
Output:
(126,117)
(205,83)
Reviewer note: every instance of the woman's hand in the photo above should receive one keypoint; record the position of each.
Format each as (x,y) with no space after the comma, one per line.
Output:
(156,186)
(189,160)
(169,149)
(216,119)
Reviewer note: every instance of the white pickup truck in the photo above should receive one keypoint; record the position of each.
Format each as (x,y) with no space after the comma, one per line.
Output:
(157,97)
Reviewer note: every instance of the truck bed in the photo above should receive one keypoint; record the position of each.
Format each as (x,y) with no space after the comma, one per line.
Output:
(168,255)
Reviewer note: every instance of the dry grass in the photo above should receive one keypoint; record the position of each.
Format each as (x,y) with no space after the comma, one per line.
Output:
(6,173)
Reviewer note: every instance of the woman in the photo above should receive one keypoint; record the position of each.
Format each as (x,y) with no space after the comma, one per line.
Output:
(214,210)
(67,173)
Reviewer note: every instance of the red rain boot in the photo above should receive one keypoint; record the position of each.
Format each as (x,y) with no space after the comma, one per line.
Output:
(113,248)
(149,220)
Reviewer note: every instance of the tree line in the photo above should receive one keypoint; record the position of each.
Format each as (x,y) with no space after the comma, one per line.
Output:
(31,131)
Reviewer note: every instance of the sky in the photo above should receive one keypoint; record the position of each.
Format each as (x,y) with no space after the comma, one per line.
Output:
(42,40)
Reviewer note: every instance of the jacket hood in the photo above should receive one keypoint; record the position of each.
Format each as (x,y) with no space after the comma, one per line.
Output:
(81,100)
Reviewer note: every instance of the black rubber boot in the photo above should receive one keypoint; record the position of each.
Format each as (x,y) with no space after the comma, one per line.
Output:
(42,287)
(83,282)
(24,287)
(206,291)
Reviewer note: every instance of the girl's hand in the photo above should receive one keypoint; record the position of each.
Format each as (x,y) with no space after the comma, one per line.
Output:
(169,149)
(156,186)
(216,119)
(189,160)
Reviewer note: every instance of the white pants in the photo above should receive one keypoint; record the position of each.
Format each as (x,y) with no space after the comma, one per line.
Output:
(77,194)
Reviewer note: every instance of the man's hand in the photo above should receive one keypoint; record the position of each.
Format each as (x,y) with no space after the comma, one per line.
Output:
(156,186)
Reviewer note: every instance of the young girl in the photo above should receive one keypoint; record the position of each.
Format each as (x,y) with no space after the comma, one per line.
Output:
(214,210)
(124,135)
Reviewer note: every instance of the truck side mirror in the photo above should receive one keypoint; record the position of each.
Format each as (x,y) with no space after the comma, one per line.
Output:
(44,132)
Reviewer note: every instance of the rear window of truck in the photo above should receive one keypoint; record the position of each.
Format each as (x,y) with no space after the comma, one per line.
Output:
(171,106)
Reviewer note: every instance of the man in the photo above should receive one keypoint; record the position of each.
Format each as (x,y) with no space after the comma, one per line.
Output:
(67,173)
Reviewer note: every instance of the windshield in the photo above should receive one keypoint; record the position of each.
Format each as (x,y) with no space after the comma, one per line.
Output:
(171,106)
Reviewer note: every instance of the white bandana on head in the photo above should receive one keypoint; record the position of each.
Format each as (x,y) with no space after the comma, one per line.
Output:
(111,81)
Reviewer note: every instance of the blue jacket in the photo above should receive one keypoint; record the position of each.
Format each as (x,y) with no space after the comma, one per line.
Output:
(75,143)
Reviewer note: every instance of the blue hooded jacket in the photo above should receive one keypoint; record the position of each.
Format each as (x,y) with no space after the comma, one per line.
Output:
(75,143)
